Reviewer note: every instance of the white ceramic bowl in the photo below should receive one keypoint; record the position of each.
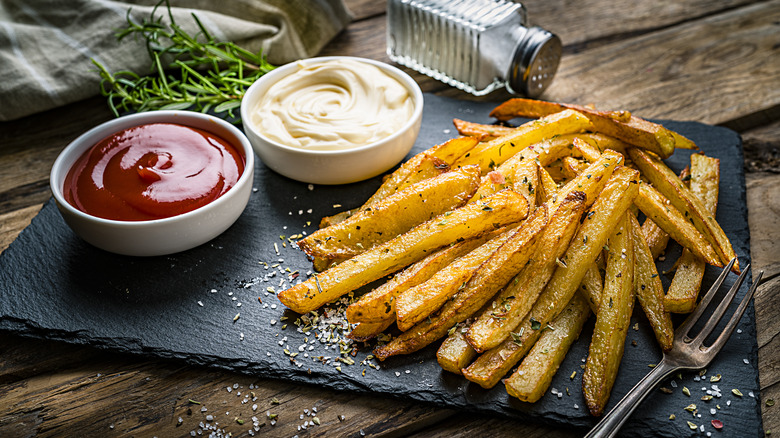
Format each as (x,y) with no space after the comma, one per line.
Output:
(159,236)
(325,166)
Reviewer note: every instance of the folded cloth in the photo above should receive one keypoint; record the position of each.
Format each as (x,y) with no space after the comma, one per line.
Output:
(46,46)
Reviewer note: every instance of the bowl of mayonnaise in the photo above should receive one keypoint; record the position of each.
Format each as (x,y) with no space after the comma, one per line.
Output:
(332,120)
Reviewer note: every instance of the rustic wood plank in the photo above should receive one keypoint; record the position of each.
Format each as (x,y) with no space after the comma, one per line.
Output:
(470,425)
(11,224)
(697,70)
(617,20)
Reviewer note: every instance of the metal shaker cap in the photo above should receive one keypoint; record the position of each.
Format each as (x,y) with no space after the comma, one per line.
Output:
(534,63)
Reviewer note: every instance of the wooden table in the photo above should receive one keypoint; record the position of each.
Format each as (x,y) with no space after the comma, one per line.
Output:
(713,62)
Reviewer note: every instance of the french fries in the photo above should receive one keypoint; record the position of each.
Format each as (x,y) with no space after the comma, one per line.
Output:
(379,304)
(455,352)
(682,293)
(648,288)
(504,240)
(512,304)
(619,124)
(393,215)
(592,235)
(490,154)
(658,209)
(689,204)
(494,273)
(466,222)
(532,378)
(417,303)
(612,319)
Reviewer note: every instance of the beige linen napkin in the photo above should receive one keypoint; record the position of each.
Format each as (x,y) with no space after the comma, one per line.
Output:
(46,45)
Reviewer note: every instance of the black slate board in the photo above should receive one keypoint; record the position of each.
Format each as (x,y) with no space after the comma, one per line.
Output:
(55,286)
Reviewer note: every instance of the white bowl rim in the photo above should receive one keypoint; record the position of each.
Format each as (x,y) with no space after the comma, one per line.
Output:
(278,73)
(127,121)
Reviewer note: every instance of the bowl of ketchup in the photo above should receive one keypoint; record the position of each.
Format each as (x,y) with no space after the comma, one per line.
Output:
(154,183)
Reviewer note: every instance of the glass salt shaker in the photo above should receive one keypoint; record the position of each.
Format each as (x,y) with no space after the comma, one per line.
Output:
(474,45)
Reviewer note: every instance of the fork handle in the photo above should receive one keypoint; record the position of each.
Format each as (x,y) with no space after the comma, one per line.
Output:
(611,423)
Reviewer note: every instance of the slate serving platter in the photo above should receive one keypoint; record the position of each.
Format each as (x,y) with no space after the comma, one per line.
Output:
(184,306)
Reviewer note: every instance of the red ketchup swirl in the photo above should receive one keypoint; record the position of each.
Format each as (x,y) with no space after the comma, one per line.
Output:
(152,171)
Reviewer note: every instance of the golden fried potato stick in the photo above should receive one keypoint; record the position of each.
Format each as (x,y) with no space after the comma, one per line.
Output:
(512,304)
(494,273)
(591,287)
(417,168)
(393,215)
(417,303)
(480,131)
(365,331)
(688,203)
(378,305)
(519,173)
(490,154)
(612,320)
(532,378)
(655,236)
(648,288)
(455,352)
(704,183)
(619,124)
(472,220)
(658,209)
(611,204)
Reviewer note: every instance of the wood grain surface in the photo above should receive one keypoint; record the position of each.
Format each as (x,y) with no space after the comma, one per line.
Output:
(713,62)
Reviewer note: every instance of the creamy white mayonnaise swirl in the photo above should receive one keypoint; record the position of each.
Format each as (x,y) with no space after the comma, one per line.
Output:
(332,105)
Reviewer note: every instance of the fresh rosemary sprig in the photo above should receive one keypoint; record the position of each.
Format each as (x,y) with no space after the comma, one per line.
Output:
(186,73)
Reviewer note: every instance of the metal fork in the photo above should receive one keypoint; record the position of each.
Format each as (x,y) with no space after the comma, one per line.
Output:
(686,353)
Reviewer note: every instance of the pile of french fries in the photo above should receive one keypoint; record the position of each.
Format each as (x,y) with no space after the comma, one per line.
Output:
(502,242)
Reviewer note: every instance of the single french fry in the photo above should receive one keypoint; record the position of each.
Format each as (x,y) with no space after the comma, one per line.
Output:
(490,154)
(658,209)
(378,305)
(494,273)
(547,184)
(611,204)
(365,331)
(612,320)
(517,173)
(512,304)
(655,236)
(682,293)
(619,124)
(417,303)
(688,203)
(393,215)
(472,220)
(532,378)
(455,352)
(591,287)
(572,166)
(649,290)
(480,131)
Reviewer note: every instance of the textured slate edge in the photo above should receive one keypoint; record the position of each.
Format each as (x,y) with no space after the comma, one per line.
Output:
(455,394)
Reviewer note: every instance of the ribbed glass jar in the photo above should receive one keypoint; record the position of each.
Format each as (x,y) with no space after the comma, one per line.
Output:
(475,45)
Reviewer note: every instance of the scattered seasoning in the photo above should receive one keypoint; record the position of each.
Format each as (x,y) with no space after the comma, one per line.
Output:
(770,402)
(715,378)
(692,426)
(737,392)
(717,424)
(686,391)
(672,417)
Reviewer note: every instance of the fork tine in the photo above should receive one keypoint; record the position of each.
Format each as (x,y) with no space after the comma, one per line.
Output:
(682,332)
(726,334)
(717,315)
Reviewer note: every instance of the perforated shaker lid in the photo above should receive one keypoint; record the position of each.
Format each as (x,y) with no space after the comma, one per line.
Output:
(535,62)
